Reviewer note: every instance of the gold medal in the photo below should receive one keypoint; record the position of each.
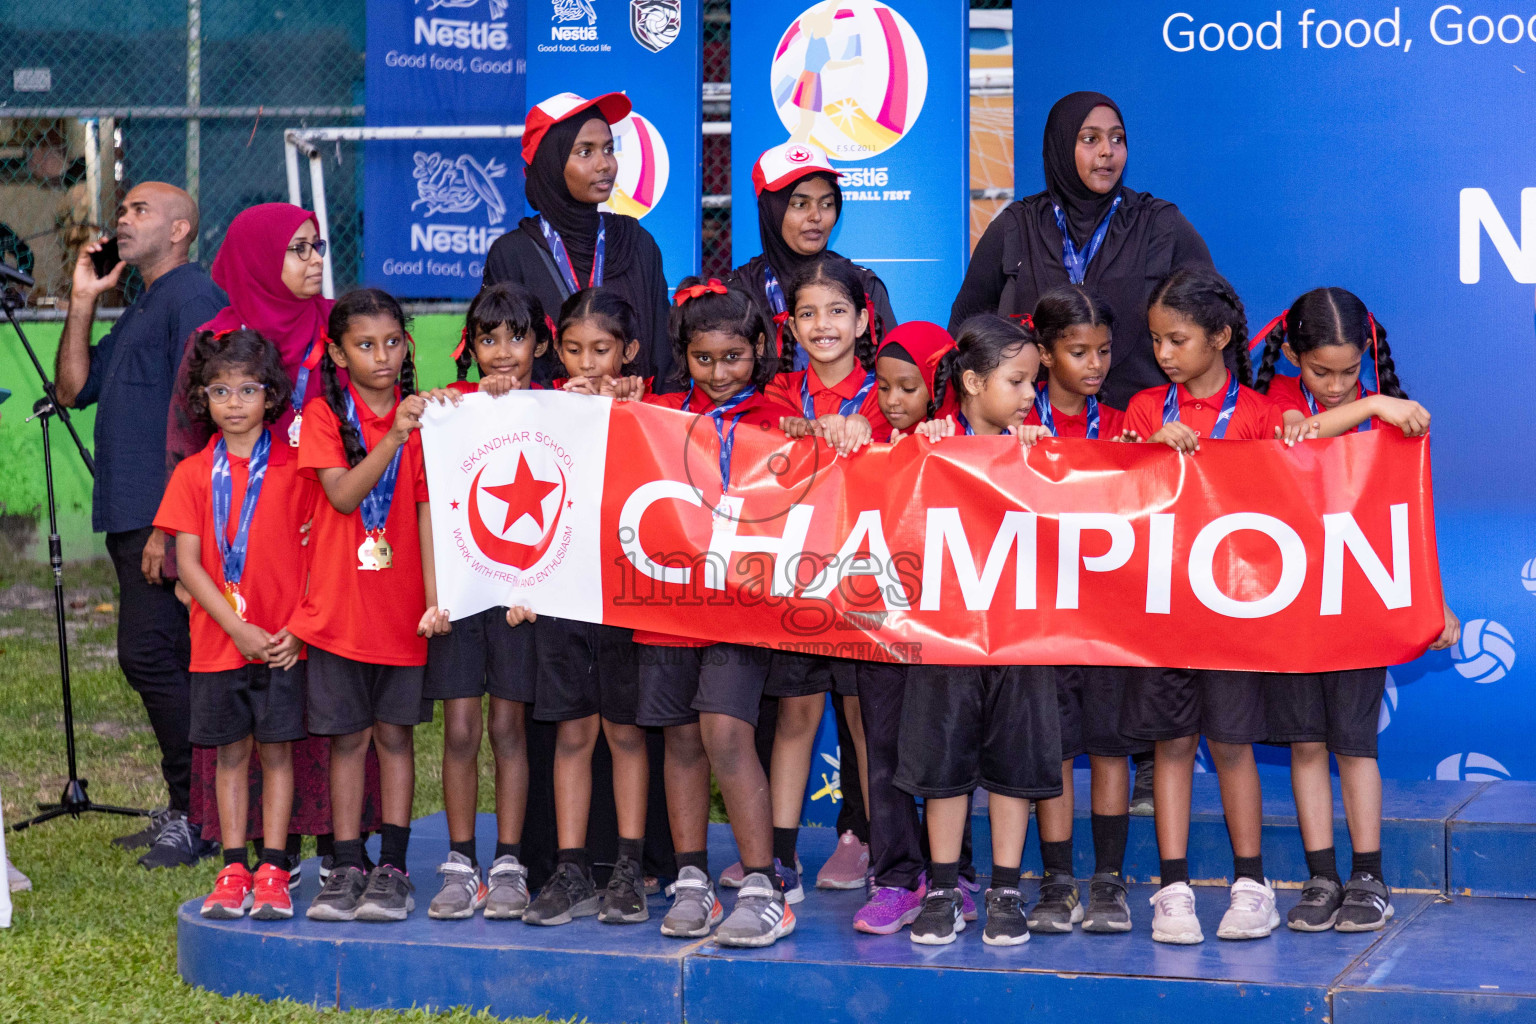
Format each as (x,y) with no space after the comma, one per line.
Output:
(365,554)
(383,553)
(236,599)
(293,430)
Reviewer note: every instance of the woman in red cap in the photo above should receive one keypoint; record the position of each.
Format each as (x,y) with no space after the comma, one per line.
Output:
(569,244)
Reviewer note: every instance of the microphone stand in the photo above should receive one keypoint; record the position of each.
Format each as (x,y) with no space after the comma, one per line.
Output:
(75,800)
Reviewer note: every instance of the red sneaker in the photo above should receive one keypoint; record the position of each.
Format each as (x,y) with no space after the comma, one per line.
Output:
(231,894)
(271,901)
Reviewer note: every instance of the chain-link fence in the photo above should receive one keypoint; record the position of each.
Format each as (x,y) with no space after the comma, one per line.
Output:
(100,94)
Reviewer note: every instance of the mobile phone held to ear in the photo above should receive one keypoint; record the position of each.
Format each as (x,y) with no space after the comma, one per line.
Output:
(105,258)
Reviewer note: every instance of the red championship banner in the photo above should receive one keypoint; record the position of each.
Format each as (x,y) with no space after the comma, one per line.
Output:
(1245,555)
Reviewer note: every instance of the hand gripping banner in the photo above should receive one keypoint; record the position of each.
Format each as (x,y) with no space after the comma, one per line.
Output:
(1246,555)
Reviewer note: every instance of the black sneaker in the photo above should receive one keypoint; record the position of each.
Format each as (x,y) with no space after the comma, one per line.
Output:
(328,864)
(1107,910)
(295,872)
(570,894)
(339,896)
(1060,906)
(1367,904)
(1006,924)
(177,847)
(623,902)
(1319,906)
(390,895)
(939,919)
(1141,792)
(146,835)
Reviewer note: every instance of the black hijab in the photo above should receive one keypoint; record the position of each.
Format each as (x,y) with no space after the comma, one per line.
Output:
(576,221)
(771,208)
(1083,207)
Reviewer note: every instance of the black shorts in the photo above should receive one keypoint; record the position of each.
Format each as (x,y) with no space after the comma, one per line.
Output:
(805,675)
(483,655)
(1341,709)
(992,726)
(585,669)
(1171,703)
(347,696)
(1089,698)
(676,683)
(256,700)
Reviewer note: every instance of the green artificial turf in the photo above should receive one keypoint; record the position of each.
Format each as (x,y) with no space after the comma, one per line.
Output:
(95,939)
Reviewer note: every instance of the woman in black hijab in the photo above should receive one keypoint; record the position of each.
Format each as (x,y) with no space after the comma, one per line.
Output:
(1085,228)
(569,245)
(798,204)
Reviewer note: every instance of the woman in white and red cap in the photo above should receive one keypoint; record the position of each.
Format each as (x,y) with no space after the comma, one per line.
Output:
(568,244)
(798,204)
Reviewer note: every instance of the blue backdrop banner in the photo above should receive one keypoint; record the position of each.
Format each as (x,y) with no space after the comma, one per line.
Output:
(652,50)
(434,206)
(1384,149)
(883,90)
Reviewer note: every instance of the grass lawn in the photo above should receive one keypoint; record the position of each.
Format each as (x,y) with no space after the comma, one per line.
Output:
(95,940)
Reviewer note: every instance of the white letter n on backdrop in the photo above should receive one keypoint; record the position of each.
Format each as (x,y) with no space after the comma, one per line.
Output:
(1478,214)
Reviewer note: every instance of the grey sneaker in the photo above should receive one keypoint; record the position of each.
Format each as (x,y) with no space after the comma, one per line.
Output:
(1060,906)
(760,918)
(1367,905)
(624,898)
(390,895)
(508,896)
(146,835)
(176,846)
(462,893)
(1319,906)
(571,893)
(695,910)
(1107,909)
(340,895)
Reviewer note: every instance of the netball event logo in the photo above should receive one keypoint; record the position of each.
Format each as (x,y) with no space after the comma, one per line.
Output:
(510,523)
(849,76)
(643,167)
(655,24)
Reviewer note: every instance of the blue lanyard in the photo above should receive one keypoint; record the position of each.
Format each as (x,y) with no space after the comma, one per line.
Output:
(965,424)
(1228,406)
(1077,261)
(376,503)
(848,407)
(727,440)
(1048,419)
(1312,403)
(232,555)
(301,383)
(775,292)
(563,258)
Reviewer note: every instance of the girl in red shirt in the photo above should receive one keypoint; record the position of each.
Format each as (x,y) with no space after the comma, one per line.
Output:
(243,492)
(905,364)
(372,597)
(598,345)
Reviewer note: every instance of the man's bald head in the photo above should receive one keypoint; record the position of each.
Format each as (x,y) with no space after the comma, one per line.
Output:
(156,223)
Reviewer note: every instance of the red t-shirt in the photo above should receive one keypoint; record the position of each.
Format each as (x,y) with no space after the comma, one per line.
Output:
(469,387)
(1285,393)
(366,615)
(1111,422)
(275,559)
(784,389)
(1254,419)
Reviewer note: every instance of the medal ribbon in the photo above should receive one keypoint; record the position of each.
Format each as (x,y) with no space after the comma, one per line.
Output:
(1228,407)
(232,555)
(563,259)
(847,407)
(376,503)
(1312,403)
(1076,261)
(1048,419)
(727,439)
(775,293)
(965,424)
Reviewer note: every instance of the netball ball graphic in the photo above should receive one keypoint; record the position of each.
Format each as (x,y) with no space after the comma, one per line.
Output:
(643,167)
(849,76)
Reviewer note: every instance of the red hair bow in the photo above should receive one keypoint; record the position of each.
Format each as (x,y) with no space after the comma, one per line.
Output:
(312,360)
(693,291)
(463,342)
(1283,320)
(779,320)
(1027,319)
(549,322)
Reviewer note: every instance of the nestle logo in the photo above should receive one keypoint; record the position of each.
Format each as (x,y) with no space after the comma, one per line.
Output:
(573,32)
(462,35)
(454,238)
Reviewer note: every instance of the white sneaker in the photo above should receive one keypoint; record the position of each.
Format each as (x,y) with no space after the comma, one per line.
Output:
(1252,914)
(1173,915)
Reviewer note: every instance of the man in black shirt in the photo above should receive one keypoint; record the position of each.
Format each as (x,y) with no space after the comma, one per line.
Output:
(130,375)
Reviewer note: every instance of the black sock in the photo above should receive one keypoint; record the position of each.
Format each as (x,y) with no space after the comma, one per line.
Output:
(1056,858)
(784,842)
(325,844)
(1323,864)
(392,845)
(1175,871)
(1248,867)
(575,855)
(634,849)
(295,844)
(1366,863)
(696,859)
(1005,878)
(1110,833)
(509,850)
(348,853)
(943,876)
(277,858)
(464,849)
(236,855)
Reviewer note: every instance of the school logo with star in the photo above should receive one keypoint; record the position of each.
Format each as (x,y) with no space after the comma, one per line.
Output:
(516,501)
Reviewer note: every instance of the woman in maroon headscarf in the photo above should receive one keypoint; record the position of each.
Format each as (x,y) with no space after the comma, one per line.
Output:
(271,266)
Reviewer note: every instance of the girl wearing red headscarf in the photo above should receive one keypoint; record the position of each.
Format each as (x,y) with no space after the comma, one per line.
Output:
(271,265)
